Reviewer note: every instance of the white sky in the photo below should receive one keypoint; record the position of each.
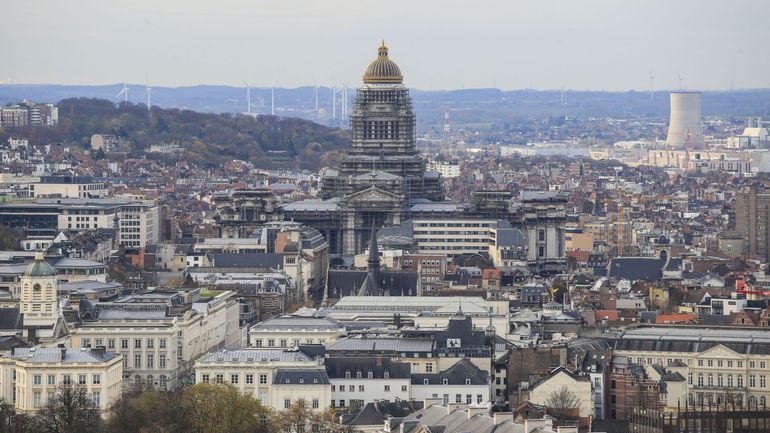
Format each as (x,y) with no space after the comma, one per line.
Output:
(439,44)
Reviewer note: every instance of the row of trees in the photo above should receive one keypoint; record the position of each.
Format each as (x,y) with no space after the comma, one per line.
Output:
(201,408)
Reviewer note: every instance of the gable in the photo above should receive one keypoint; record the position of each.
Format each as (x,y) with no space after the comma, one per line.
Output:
(720,352)
(373,194)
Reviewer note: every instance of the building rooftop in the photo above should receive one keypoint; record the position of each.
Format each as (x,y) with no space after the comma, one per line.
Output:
(254,354)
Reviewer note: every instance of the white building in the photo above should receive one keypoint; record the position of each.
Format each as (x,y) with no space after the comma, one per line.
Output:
(30,376)
(291,331)
(462,383)
(360,380)
(276,377)
(160,335)
(558,380)
(448,170)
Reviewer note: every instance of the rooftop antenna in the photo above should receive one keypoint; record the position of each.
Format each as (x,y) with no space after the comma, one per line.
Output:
(652,82)
(123,92)
(147,91)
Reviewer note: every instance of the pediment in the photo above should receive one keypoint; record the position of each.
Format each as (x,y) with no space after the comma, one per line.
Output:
(373,194)
(720,352)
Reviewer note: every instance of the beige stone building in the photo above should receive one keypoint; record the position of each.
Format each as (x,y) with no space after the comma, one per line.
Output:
(29,376)
(277,377)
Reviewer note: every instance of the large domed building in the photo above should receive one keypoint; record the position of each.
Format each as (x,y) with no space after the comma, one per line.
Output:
(381,175)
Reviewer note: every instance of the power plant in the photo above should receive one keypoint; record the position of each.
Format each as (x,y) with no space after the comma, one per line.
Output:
(684,127)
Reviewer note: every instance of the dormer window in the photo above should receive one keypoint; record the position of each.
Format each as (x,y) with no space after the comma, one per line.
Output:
(467,381)
(370,375)
(445,382)
(358,375)
(347,375)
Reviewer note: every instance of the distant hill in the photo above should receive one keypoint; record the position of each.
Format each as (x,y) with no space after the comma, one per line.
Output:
(205,137)
(468,106)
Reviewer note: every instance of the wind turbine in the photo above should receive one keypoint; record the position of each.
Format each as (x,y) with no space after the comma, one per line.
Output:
(123,92)
(652,88)
(248,98)
(148,92)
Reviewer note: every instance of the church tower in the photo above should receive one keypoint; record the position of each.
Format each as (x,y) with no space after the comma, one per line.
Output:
(39,296)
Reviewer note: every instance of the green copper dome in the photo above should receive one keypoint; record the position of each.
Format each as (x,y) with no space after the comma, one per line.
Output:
(39,268)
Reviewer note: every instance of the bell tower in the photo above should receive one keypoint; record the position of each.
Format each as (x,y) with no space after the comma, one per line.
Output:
(39,295)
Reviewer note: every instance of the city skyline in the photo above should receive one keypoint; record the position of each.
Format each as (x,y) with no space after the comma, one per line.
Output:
(694,45)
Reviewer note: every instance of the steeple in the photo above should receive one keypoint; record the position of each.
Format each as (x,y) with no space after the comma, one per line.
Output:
(373,263)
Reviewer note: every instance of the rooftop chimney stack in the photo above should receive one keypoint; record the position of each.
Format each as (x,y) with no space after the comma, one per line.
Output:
(684,126)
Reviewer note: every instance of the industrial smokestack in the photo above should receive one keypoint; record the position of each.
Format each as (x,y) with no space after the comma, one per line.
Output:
(684,124)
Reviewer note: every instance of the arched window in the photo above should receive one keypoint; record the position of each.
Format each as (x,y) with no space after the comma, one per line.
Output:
(711,379)
(137,380)
(163,381)
(762,401)
(700,379)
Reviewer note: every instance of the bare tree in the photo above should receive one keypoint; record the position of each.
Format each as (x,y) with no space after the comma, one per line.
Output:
(563,404)
(70,410)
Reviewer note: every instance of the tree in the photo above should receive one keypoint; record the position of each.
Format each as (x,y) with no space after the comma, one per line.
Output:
(563,404)
(213,408)
(70,410)
(300,418)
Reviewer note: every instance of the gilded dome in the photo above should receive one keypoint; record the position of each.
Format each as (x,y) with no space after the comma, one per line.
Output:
(382,70)
(39,268)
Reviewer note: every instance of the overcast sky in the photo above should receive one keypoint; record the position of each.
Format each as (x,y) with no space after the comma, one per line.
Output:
(439,44)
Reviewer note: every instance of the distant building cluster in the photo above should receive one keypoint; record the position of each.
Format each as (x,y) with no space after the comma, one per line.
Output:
(28,113)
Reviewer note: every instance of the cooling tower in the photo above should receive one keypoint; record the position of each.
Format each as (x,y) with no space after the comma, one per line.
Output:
(685,121)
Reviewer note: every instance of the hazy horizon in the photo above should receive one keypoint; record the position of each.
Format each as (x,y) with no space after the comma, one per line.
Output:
(594,45)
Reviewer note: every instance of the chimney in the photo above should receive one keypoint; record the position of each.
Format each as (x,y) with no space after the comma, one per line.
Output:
(434,401)
(501,417)
(531,424)
(476,410)
(452,406)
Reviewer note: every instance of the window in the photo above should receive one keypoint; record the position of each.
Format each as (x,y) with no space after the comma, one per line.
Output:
(137,343)
(150,343)
(710,363)
(719,381)
(249,379)
(429,368)
(342,403)
(220,378)
(360,388)
(138,360)
(358,375)
(351,388)
(271,343)
(66,379)
(740,381)
(480,398)
(86,342)
(425,381)
(150,360)
(162,343)
(286,403)
(124,343)
(468,398)
(387,388)
(719,363)
(751,364)
(740,364)
(762,381)
(752,381)
(711,379)
(762,364)
(96,379)
(52,379)
(283,343)
(234,379)
(458,398)
(96,397)
(689,378)
(729,364)
(81,379)
(36,399)
(467,381)
(334,388)
(700,363)
(37,379)
(162,360)
(262,379)
(163,381)
(347,375)
(403,388)
(99,342)
(316,405)
(111,343)
(445,382)
(700,379)
(204,378)
(730,380)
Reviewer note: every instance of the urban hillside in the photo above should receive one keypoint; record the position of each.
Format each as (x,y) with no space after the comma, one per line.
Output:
(204,137)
